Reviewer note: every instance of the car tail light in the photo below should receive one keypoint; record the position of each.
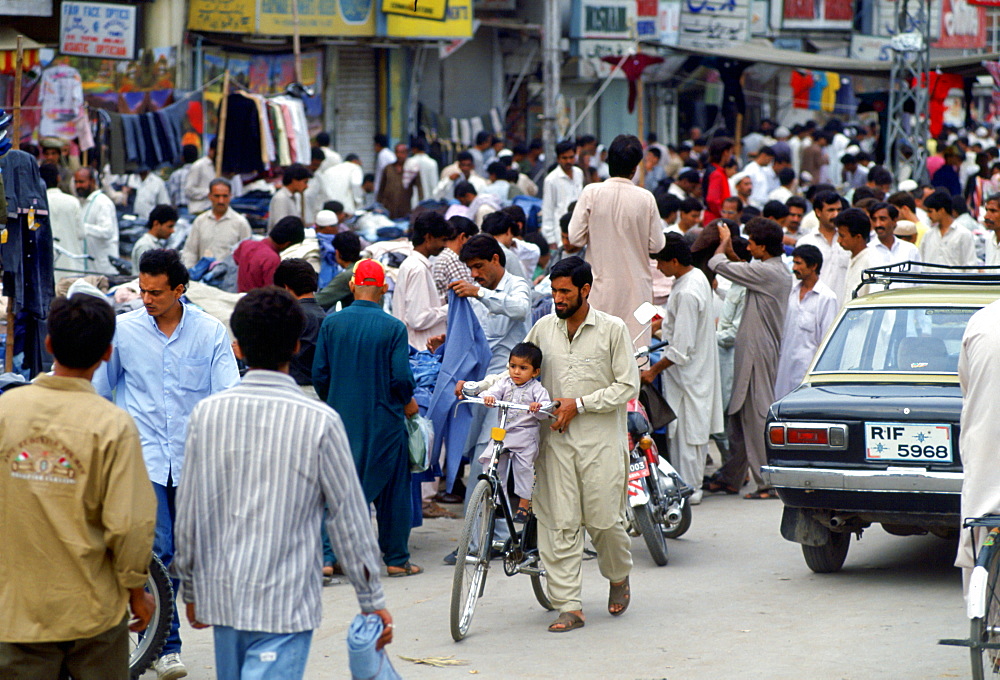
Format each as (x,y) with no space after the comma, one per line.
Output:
(776,434)
(808,435)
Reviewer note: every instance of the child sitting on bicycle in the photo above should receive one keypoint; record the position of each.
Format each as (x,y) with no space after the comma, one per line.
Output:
(520,386)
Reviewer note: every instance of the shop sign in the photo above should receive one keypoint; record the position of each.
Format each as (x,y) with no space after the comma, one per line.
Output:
(962,26)
(93,29)
(222,16)
(596,49)
(32,8)
(422,9)
(457,23)
(870,48)
(714,23)
(668,22)
(821,15)
(328,18)
(603,19)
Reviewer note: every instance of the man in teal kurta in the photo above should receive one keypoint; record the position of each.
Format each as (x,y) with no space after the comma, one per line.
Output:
(362,370)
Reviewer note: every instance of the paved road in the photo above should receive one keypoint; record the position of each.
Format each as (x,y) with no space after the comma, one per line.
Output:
(735,601)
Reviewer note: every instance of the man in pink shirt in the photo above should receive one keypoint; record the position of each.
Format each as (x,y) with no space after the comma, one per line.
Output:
(257,260)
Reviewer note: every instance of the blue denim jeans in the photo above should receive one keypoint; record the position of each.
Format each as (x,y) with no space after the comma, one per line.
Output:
(163,546)
(246,655)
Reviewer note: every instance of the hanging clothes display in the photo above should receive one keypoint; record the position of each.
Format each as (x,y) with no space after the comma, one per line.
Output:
(146,141)
(61,99)
(802,82)
(242,149)
(846,102)
(828,99)
(816,92)
(298,133)
(26,253)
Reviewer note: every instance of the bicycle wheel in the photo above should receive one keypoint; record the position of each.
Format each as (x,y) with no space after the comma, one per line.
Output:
(651,533)
(986,628)
(472,562)
(146,646)
(530,546)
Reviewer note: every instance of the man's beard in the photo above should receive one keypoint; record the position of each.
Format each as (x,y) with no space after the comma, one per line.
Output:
(570,309)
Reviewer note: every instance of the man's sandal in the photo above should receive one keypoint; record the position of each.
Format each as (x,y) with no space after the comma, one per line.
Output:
(620,595)
(566,622)
(408,569)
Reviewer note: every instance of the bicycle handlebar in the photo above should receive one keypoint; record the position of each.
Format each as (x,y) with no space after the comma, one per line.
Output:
(510,405)
(644,351)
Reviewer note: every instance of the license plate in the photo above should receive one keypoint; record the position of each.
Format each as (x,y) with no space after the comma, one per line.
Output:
(637,469)
(908,442)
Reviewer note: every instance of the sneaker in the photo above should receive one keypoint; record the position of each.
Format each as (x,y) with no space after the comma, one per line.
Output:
(170,667)
(451,557)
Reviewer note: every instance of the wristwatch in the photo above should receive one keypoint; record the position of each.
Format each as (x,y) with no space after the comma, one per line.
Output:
(481,292)
(579,405)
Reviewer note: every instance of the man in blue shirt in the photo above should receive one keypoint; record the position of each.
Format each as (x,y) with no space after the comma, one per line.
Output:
(166,358)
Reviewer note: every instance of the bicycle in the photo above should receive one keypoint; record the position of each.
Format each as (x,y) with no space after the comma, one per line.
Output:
(145,647)
(476,545)
(983,602)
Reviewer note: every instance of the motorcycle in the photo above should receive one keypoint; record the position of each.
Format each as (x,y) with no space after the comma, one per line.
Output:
(658,506)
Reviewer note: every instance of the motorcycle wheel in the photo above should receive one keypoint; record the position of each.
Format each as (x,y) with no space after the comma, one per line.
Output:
(652,534)
(146,646)
(683,525)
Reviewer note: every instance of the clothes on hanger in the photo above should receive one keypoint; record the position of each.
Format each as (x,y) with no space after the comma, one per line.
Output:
(61,99)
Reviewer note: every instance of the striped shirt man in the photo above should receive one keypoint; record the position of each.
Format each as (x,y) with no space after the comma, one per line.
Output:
(262,459)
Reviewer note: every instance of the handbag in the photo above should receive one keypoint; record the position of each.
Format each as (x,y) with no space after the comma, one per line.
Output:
(420,433)
(657,409)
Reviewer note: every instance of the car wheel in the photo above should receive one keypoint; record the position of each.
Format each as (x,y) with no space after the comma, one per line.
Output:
(828,558)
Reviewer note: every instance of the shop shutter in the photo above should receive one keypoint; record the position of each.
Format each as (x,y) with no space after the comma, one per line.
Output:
(356,97)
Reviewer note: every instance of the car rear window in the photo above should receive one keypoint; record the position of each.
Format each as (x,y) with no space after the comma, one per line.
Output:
(894,340)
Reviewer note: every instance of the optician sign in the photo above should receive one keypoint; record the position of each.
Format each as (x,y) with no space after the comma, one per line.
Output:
(93,29)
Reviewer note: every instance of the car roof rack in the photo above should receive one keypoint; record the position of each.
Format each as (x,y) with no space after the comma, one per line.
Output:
(915,272)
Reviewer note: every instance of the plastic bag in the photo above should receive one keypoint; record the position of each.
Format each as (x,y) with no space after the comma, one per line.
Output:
(421,438)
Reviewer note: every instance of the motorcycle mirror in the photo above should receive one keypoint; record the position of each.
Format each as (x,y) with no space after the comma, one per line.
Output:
(645,313)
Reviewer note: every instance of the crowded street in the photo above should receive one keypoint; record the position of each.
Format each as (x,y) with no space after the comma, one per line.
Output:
(734,601)
(638,339)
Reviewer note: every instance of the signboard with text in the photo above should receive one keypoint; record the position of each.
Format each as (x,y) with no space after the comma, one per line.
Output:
(425,9)
(603,19)
(456,23)
(714,23)
(229,16)
(322,18)
(94,29)
(963,26)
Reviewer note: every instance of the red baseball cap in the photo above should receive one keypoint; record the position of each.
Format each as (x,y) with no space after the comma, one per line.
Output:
(369,273)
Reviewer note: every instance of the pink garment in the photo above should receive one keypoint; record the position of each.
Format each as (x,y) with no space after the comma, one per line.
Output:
(286,115)
(934,164)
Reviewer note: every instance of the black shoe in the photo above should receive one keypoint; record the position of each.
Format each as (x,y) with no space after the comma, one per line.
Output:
(451,558)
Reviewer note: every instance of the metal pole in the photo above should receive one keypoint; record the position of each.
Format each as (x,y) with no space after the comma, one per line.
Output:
(296,47)
(551,73)
(8,354)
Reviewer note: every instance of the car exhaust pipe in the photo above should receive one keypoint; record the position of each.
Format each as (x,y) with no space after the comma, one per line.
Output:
(838,521)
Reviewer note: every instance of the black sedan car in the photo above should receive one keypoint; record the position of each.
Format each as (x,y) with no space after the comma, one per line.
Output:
(871,436)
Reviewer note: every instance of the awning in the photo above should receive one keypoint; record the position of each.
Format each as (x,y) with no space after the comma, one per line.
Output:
(768,54)
(8,51)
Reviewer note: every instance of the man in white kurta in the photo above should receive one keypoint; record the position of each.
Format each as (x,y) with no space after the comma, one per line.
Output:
(979,374)
(99,221)
(587,366)
(415,300)
(835,259)
(690,363)
(620,226)
(561,187)
(854,230)
(812,307)
(946,242)
(64,218)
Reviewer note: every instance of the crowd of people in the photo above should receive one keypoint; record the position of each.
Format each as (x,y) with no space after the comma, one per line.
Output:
(748,259)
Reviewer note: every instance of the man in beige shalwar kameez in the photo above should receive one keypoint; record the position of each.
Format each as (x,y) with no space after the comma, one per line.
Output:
(620,225)
(587,366)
